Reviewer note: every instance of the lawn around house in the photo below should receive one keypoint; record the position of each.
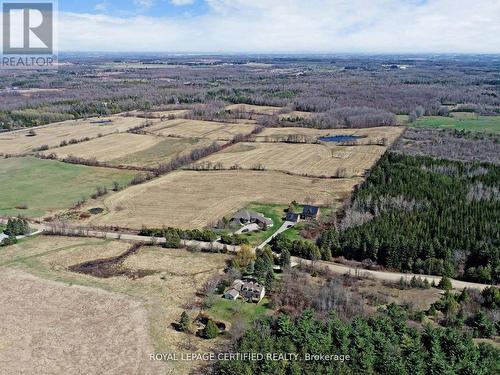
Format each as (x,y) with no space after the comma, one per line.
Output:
(47,185)
(228,311)
(276,212)
(461,121)
(293,234)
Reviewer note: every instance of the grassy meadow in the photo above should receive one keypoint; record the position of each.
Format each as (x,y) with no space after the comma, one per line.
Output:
(273,211)
(230,311)
(42,186)
(462,121)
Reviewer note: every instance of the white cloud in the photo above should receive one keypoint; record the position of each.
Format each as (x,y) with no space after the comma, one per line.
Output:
(145,4)
(297,26)
(101,7)
(182,2)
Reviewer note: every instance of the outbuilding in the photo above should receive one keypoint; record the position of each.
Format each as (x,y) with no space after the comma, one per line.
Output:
(231,294)
(292,217)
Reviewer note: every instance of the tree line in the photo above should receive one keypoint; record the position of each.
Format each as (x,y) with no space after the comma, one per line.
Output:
(424,215)
(380,344)
(202,235)
(361,87)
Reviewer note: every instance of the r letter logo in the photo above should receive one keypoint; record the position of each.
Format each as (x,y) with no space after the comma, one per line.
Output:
(28,28)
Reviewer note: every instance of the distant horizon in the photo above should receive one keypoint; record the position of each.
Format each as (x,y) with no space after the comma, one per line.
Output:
(257,54)
(281,26)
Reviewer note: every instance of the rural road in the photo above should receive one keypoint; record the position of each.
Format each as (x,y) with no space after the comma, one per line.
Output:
(83,232)
(332,267)
(4,236)
(381,275)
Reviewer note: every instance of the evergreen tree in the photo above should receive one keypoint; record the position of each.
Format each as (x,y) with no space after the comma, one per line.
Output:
(264,267)
(380,344)
(172,239)
(285,259)
(420,227)
(211,331)
(11,240)
(185,322)
(483,326)
(445,283)
(17,227)
(491,297)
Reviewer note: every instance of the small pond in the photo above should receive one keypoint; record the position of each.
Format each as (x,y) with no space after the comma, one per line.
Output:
(96,211)
(339,138)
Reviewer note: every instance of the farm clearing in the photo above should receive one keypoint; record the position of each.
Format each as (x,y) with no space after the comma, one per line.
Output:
(34,187)
(461,121)
(135,315)
(255,109)
(317,160)
(183,128)
(108,148)
(160,114)
(130,149)
(309,135)
(58,328)
(192,199)
(25,141)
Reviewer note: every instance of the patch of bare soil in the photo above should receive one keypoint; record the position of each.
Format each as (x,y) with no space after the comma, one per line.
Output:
(112,267)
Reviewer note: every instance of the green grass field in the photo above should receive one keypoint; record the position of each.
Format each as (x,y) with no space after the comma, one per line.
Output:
(293,234)
(462,121)
(47,185)
(275,212)
(402,119)
(229,311)
(161,152)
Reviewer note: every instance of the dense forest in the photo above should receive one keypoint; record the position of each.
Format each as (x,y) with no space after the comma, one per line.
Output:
(342,91)
(380,344)
(424,215)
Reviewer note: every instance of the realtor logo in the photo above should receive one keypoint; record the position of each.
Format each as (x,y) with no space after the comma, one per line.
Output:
(28,28)
(28,34)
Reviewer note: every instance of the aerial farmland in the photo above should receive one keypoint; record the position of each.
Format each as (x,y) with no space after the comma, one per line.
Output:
(27,141)
(171,200)
(267,168)
(157,211)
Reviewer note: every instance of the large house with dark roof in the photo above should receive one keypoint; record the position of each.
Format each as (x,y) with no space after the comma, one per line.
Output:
(310,213)
(244,217)
(248,290)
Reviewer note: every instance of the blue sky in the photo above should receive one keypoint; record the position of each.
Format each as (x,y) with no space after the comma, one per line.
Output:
(267,26)
(153,8)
